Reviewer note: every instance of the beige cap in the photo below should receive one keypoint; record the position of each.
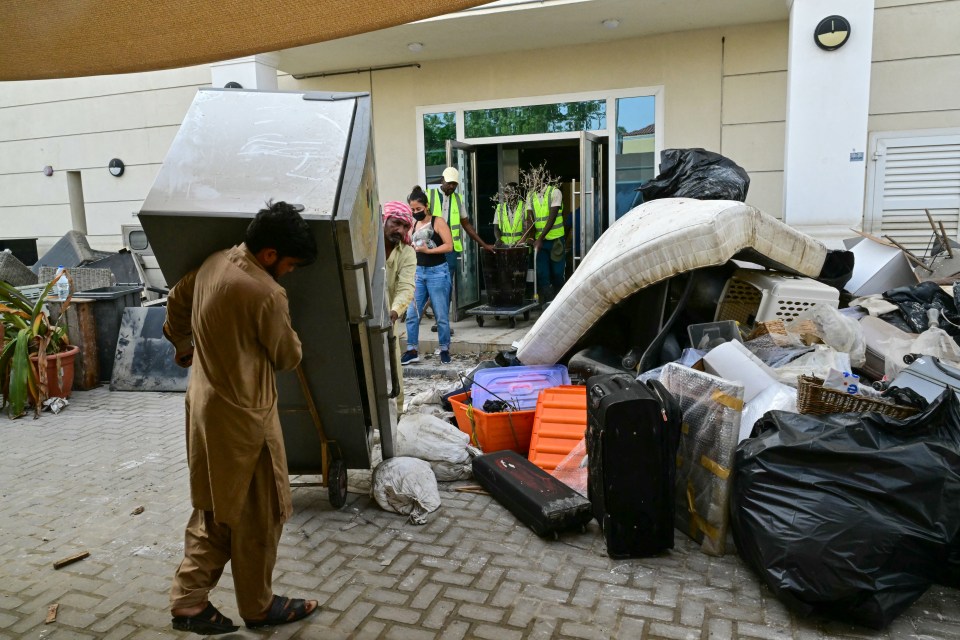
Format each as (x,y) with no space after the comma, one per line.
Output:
(451,175)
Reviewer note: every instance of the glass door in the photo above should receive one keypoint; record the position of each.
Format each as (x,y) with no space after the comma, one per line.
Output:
(588,223)
(466,287)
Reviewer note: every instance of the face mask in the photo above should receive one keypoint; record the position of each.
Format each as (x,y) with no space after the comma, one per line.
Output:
(420,215)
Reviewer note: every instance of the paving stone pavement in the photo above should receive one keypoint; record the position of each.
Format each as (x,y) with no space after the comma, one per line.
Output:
(71,482)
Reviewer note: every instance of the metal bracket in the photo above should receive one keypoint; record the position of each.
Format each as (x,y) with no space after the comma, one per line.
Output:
(367,314)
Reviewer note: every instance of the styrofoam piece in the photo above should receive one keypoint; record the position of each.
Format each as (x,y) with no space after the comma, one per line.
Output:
(520,386)
(653,242)
(878,268)
(733,361)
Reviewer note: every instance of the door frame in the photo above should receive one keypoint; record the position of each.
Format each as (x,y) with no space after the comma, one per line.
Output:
(473,252)
(610,96)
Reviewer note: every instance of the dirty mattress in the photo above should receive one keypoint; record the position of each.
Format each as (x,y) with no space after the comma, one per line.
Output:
(655,241)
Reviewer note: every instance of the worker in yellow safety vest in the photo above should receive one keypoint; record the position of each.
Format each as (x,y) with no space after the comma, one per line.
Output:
(446,202)
(546,207)
(509,228)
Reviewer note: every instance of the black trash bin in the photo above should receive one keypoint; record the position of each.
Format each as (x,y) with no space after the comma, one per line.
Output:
(505,276)
(109,303)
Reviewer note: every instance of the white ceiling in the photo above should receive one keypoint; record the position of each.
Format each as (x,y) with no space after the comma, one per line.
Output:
(516,25)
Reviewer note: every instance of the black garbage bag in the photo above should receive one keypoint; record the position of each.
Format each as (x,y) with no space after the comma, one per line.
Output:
(915,300)
(697,173)
(851,516)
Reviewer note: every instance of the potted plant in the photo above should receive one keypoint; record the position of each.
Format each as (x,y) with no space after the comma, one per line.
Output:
(36,357)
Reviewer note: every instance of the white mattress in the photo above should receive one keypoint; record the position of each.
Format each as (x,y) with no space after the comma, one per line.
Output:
(655,241)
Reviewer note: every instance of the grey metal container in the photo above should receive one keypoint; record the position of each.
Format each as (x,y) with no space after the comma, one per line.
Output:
(108,306)
(236,150)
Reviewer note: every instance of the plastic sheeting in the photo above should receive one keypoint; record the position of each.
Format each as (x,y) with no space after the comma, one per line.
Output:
(851,516)
(711,427)
(572,470)
(697,173)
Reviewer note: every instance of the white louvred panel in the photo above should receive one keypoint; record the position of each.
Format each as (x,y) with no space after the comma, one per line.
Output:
(920,174)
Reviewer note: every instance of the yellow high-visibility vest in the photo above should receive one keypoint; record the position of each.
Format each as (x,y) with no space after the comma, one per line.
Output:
(436,208)
(541,213)
(510,230)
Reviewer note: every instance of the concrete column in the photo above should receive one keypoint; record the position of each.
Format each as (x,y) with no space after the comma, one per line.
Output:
(828,97)
(252,72)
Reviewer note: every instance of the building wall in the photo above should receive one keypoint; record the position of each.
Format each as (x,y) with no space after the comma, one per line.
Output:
(723,89)
(916,65)
(690,66)
(79,124)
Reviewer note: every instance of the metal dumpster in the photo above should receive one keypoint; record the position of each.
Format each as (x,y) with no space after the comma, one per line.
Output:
(236,150)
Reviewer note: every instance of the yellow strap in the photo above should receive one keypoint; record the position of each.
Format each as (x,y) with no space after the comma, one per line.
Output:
(696,522)
(473,425)
(711,465)
(684,428)
(727,400)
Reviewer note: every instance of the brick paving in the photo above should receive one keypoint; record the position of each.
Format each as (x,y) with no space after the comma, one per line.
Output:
(70,483)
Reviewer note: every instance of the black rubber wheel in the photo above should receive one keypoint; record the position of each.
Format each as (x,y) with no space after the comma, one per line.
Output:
(479,321)
(526,315)
(337,483)
(513,322)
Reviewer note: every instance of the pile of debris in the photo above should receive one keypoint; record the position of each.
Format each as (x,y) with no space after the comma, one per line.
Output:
(710,370)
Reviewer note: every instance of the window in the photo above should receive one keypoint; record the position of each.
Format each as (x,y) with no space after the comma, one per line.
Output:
(437,129)
(635,149)
(138,240)
(558,117)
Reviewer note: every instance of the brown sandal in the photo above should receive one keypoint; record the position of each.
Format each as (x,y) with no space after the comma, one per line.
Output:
(208,622)
(284,610)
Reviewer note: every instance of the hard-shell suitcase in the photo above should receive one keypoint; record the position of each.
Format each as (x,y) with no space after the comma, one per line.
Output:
(536,498)
(929,377)
(633,431)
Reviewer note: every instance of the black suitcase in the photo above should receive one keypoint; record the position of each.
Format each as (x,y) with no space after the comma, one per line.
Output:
(633,431)
(536,498)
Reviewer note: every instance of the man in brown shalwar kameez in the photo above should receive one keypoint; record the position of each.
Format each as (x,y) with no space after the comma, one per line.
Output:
(231,320)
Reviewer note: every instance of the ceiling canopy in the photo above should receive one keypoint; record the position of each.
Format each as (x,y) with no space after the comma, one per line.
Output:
(69,38)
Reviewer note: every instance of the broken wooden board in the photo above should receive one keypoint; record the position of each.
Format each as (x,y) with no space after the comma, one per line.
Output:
(77,557)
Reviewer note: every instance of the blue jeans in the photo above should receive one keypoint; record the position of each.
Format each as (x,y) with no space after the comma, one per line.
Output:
(549,272)
(452,263)
(433,283)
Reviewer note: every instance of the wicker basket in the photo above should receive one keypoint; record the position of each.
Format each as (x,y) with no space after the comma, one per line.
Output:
(812,397)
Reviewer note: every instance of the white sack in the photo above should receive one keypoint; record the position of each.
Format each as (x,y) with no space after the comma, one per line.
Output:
(816,363)
(406,486)
(438,442)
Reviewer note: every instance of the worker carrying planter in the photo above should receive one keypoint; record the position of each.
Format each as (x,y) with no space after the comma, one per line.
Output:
(510,218)
(446,202)
(545,204)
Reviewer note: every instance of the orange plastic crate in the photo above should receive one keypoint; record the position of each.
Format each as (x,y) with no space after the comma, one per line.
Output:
(493,431)
(559,424)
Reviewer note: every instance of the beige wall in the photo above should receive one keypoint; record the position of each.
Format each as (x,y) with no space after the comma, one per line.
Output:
(915,81)
(755,109)
(686,65)
(79,124)
(723,89)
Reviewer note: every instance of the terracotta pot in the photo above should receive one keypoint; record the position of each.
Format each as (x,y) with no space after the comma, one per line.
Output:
(54,389)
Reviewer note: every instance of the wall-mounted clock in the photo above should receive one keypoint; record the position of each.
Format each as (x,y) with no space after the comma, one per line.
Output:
(832,33)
